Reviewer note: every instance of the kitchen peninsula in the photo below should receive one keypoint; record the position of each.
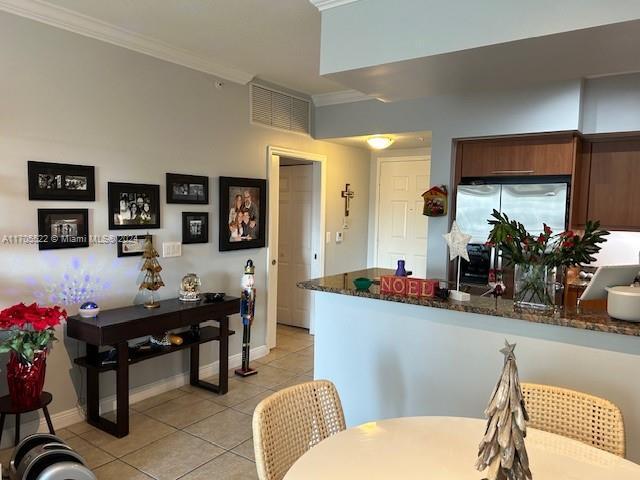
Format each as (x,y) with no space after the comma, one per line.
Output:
(394,356)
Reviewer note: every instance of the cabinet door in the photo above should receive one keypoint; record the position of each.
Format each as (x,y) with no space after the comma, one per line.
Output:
(545,155)
(614,193)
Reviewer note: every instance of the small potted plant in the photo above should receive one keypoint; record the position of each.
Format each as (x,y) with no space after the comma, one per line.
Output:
(28,332)
(537,259)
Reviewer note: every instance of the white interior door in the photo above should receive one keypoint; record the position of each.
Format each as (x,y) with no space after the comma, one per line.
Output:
(295,237)
(402,229)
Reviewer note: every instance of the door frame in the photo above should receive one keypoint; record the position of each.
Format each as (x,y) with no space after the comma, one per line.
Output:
(319,163)
(373,257)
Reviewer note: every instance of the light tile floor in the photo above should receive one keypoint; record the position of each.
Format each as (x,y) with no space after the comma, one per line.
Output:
(190,433)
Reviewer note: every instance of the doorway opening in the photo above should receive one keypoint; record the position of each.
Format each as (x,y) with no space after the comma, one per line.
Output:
(296,226)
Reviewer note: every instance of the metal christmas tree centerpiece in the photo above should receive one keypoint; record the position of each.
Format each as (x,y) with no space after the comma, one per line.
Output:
(152,280)
(502,449)
(539,260)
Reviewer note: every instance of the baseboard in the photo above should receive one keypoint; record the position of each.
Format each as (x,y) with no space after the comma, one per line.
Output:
(74,415)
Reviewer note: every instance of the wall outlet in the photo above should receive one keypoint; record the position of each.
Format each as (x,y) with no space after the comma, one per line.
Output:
(339,237)
(345,224)
(171,249)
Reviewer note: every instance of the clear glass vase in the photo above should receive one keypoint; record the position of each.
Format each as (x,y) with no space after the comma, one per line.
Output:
(535,287)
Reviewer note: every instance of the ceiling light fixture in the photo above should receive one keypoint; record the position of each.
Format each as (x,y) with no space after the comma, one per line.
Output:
(379,143)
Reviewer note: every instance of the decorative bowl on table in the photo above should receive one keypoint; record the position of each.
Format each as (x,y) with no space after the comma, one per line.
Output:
(362,283)
(214,296)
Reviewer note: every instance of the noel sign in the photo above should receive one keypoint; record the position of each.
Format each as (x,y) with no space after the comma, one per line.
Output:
(410,287)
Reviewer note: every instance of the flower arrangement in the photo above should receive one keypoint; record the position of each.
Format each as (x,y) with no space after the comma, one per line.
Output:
(537,258)
(554,250)
(31,329)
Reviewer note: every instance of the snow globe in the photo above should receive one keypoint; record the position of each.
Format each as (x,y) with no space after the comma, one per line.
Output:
(190,288)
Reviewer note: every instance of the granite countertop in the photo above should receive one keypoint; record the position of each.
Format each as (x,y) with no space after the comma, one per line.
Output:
(597,320)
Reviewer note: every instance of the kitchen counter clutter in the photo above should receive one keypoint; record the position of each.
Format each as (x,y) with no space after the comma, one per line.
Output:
(597,320)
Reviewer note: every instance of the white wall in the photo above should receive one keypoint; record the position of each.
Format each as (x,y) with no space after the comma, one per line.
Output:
(611,104)
(375,32)
(551,107)
(71,99)
(443,362)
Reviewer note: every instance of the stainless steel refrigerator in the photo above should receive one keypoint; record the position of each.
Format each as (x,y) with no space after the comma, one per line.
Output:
(531,204)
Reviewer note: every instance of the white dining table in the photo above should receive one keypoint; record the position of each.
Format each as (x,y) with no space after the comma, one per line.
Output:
(446,448)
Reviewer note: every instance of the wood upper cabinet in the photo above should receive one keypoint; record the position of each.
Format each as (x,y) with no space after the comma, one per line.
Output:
(518,156)
(614,184)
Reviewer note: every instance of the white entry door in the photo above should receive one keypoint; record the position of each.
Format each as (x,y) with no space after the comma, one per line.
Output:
(295,244)
(402,229)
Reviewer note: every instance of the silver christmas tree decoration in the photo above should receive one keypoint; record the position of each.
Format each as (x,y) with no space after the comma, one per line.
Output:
(502,448)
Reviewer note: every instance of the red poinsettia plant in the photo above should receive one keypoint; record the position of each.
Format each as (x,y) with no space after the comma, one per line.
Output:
(29,329)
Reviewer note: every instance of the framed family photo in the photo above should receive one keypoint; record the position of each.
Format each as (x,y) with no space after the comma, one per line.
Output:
(189,189)
(131,245)
(133,206)
(63,228)
(195,227)
(243,213)
(61,181)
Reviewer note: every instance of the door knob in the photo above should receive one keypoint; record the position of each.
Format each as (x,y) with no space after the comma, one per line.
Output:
(273,262)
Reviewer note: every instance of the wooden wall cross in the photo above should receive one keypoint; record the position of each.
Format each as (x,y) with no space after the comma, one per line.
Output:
(347,194)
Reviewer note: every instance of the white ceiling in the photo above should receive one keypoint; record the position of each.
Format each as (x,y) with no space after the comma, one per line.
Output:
(405,140)
(276,40)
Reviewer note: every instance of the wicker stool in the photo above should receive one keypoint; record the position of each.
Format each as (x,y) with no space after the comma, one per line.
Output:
(591,420)
(290,422)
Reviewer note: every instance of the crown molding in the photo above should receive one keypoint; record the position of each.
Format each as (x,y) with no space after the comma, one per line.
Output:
(327,4)
(343,96)
(87,26)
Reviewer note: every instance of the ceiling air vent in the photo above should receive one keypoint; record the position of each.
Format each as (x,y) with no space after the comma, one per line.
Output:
(279,110)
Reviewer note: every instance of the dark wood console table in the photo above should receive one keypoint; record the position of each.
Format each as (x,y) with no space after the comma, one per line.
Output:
(115,327)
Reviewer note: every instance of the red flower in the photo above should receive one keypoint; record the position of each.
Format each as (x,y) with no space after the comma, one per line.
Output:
(541,239)
(489,244)
(547,229)
(40,318)
(568,234)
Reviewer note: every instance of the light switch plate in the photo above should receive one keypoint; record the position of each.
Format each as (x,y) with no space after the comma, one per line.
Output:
(338,237)
(171,249)
(328,238)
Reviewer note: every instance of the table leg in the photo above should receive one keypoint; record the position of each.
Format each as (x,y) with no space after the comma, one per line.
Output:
(194,365)
(93,386)
(48,419)
(223,377)
(2,418)
(17,437)
(223,381)
(122,390)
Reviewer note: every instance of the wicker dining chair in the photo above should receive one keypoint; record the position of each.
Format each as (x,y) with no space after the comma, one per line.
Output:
(290,422)
(591,420)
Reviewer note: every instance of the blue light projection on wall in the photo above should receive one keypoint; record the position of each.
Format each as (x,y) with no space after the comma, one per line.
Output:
(73,282)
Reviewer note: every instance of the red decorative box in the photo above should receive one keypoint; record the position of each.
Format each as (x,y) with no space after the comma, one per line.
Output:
(413,287)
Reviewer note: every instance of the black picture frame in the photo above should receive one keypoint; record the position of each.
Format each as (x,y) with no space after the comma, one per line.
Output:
(253,234)
(129,216)
(63,228)
(195,227)
(187,189)
(124,240)
(61,181)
